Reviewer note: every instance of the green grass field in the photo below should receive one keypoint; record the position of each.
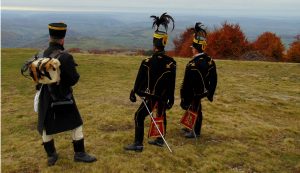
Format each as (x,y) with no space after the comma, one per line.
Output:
(253,125)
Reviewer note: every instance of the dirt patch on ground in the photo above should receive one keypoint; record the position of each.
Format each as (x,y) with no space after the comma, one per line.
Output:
(113,127)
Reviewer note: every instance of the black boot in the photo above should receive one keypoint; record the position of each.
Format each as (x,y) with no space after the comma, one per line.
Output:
(158,141)
(80,154)
(198,124)
(138,140)
(51,152)
(186,130)
(134,147)
(191,135)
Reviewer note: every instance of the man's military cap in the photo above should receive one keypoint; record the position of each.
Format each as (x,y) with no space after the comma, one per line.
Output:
(57,30)
(160,38)
(199,40)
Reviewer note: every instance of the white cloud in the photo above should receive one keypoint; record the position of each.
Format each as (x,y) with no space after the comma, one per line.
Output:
(231,7)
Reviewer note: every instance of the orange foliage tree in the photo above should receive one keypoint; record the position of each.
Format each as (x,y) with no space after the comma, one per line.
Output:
(74,50)
(227,42)
(293,54)
(183,42)
(269,45)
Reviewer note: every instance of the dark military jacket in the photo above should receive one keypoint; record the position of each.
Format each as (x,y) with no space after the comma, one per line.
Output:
(156,77)
(200,79)
(63,117)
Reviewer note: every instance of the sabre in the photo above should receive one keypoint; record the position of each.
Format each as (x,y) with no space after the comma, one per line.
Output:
(150,113)
(195,136)
(193,128)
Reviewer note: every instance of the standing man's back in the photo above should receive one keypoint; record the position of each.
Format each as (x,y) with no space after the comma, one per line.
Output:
(155,82)
(200,79)
(57,109)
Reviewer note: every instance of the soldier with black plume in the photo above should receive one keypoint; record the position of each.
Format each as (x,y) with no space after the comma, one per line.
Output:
(200,79)
(57,110)
(155,82)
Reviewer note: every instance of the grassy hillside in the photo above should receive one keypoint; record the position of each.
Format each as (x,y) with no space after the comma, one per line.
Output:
(252,125)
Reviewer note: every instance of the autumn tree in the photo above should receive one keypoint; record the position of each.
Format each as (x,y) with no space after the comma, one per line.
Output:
(227,42)
(269,45)
(74,50)
(183,42)
(293,53)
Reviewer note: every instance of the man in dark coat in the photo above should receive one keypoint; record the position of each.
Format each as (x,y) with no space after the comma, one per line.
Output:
(57,110)
(155,82)
(200,79)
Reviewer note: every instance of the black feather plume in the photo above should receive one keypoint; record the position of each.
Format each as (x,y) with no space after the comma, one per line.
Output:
(199,30)
(163,20)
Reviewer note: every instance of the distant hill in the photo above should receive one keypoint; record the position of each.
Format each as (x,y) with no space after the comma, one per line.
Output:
(73,39)
(122,30)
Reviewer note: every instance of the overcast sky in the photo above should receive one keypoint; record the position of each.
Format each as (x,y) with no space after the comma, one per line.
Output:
(280,8)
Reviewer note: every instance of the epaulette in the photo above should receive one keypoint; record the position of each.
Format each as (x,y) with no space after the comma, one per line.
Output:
(171,64)
(191,64)
(147,59)
(210,62)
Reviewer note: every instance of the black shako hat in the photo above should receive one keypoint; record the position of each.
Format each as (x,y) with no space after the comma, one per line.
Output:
(199,40)
(160,38)
(57,30)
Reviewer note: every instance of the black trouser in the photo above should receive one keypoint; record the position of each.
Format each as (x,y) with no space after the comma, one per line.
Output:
(141,114)
(196,106)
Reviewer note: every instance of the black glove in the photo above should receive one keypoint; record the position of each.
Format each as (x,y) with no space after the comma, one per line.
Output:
(210,98)
(170,103)
(38,87)
(132,96)
(183,105)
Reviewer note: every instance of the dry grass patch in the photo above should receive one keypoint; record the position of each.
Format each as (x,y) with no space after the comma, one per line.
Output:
(252,126)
